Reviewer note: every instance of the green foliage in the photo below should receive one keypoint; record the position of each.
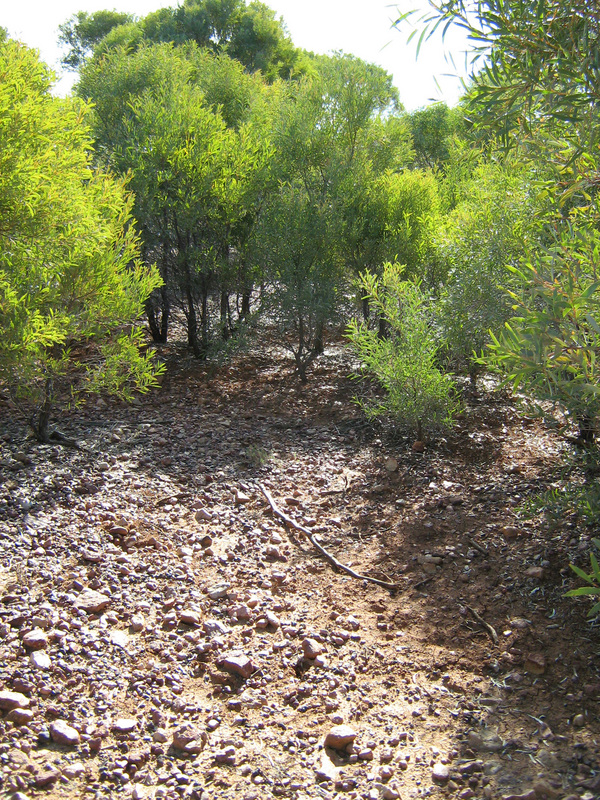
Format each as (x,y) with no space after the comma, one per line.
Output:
(487,231)
(433,129)
(538,92)
(296,241)
(251,34)
(551,346)
(198,178)
(311,223)
(71,283)
(592,579)
(417,394)
(539,60)
(83,31)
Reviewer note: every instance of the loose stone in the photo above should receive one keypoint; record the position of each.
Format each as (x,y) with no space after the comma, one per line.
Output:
(62,733)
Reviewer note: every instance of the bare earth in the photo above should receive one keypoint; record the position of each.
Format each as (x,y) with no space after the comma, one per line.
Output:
(223,648)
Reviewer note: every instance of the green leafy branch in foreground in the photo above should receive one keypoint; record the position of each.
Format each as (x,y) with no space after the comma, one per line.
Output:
(593,579)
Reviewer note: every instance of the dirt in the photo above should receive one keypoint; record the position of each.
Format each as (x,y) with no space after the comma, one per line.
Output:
(475,678)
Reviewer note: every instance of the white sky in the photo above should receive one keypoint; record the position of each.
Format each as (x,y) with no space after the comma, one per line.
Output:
(360,27)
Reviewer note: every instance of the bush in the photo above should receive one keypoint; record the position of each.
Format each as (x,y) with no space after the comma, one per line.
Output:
(71,284)
(417,394)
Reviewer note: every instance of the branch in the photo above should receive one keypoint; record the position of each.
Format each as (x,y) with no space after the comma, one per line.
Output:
(332,560)
(485,624)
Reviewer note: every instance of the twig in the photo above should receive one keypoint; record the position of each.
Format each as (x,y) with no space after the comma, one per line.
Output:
(485,624)
(423,582)
(477,546)
(309,535)
(172,498)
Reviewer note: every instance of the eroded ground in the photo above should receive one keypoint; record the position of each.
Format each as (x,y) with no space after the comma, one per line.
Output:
(186,674)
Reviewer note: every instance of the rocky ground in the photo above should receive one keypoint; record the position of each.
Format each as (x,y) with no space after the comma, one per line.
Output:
(162,634)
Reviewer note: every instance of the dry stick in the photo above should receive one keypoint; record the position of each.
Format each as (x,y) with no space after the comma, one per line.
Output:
(485,624)
(477,546)
(332,560)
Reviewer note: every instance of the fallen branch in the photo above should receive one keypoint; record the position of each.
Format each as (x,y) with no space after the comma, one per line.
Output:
(172,498)
(485,624)
(477,546)
(310,536)
(424,582)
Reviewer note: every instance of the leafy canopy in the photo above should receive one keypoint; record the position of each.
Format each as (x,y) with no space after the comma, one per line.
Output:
(70,280)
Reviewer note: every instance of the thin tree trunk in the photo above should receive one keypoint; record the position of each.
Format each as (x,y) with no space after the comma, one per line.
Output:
(192,326)
(246,296)
(41,425)
(225,314)
(165,314)
(365,308)
(319,346)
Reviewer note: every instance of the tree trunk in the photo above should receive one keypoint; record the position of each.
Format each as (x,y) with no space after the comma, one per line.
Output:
(225,314)
(192,326)
(41,425)
(383,332)
(204,319)
(365,308)
(587,429)
(159,330)
(165,314)
(246,303)
(319,346)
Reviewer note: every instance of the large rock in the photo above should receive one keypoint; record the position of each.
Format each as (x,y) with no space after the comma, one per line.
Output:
(238,664)
(62,733)
(36,639)
(10,700)
(312,648)
(91,601)
(124,725)
(340,736)
(189,739)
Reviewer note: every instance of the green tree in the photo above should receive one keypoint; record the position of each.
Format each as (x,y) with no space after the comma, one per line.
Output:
(83,31)
(323,142)
(432,131)
(538,90)
(71,283)
(197,180)
(251,34)
(490,229)
(416,393)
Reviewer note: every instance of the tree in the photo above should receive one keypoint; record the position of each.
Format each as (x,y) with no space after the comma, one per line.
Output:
(197,180)
(250,34)
(540,62)
(71,283)
(416,393)
(83,31)
(538,90)
(432,130)
(490,229)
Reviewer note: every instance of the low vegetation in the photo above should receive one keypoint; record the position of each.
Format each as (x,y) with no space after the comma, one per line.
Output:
(211,173)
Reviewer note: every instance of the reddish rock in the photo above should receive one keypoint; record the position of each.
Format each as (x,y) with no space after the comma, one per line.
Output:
(340,736)
(36,639)
(312,648)
(122,726)
(91,601)
(10,700)
(20,716)
(190,617)
(238,664)
(62,733)
(189,739)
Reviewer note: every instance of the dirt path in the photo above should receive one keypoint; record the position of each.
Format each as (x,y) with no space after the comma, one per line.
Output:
(163,635)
